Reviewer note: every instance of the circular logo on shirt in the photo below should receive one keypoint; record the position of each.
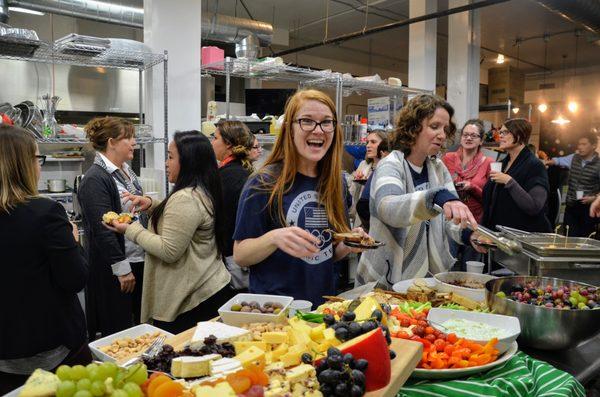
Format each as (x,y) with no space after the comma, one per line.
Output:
(306,213)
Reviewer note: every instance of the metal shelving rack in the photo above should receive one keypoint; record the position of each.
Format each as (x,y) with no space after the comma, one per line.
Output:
(39,51)
(343,85)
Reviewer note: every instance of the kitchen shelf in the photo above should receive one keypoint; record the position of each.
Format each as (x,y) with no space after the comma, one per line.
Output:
(82,141)
(11,48)
(254,69)
(266,138)
(63,159)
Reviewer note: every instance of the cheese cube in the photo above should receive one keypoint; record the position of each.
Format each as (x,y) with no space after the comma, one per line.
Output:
(300,373)
(40,384)
(224,333)
(316,333)
(291,358)
(280,351)
(192,367)
(275,337)
(252,355)
(222,389)
(241,346)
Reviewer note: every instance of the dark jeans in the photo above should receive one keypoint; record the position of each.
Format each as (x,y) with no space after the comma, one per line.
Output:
(577,217)
(9,382)
(136,296)
(204,311)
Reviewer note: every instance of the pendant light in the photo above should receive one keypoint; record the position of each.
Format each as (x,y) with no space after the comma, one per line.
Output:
(542,107)
(560,120)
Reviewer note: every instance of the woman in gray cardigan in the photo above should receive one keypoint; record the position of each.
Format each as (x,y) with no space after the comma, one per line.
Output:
(410,189)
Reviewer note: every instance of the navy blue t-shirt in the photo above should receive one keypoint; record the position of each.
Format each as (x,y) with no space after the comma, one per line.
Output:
(308,278)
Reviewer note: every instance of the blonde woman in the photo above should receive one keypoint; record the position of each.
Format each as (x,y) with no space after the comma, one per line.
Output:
(288,208)
(230,143)
(41,322)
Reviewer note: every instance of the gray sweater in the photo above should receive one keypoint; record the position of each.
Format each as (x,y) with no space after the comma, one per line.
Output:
(398,218)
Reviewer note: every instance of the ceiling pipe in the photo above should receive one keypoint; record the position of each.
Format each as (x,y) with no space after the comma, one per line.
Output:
(216,27)
(393,25)
(582,12)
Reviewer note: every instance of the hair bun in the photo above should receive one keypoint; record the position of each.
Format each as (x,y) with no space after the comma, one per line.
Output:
(93,127)
(240,151)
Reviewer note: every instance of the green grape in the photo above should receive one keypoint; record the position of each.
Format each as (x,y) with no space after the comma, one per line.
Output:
(66,388)
(64,372)
(91,368)
(78,372)
(92,374)
(83,393)
(119,393)
(132,389)
(84,384)
(137,373)
(100,373)
(111,369)
(98,388)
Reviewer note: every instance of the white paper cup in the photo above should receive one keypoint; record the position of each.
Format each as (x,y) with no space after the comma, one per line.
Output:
(496,166)
(579,194)
(475,267)
(303,306)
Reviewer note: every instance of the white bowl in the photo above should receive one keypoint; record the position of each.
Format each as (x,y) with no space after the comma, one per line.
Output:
(443,280)
(240,318)
(132,332)
(508,323)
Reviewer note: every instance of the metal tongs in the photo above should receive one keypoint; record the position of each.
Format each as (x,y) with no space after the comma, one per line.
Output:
(506,245)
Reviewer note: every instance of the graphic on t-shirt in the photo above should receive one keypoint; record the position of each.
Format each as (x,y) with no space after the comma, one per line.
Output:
(305,212)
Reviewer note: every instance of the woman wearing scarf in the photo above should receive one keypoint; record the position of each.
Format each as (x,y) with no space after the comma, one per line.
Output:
(516,197)
(113,294)
(230,144)
(470,170)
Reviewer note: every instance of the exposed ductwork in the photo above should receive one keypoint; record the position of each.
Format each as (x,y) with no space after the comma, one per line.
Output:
(215,27)
(583,12)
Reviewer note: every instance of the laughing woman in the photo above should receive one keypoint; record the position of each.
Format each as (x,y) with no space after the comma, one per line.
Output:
(287,208)
(410,189)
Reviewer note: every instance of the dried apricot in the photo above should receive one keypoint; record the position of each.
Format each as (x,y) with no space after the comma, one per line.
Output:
(157,381)
(169,389)
(239,383)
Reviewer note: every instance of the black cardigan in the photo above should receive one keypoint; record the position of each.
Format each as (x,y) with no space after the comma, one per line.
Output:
(42,271)
(108,310)
(233,178)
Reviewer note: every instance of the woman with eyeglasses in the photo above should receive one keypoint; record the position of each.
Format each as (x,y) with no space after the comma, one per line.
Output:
(469,168)
(42,324)
(517,196)
(290,206)
(114,293)
(413,203)
(255,148)
(230,144)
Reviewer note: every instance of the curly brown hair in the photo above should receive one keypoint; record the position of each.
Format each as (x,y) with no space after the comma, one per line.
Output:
(100,129)
(408,121)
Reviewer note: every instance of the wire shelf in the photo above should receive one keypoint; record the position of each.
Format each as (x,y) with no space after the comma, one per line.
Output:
(39,51)
(266,139)
(254,69)
(68,140)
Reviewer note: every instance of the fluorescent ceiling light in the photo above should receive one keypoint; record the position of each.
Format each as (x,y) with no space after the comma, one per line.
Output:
(560,120)
(25,11)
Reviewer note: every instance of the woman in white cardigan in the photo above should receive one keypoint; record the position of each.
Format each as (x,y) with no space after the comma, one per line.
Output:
(410,189)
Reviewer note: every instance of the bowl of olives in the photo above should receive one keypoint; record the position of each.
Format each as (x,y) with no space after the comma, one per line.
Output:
(255,308)
(554,314)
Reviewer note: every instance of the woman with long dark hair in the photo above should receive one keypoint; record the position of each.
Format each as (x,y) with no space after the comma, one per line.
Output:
(185,279)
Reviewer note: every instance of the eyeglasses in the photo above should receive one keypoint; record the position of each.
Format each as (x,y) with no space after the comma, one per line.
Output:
(41,159)
(472,136)
(309,125)
(257,147)
(504,132)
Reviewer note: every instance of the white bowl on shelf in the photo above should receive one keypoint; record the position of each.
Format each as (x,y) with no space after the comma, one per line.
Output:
(237,319)
(509,324)
(443,283)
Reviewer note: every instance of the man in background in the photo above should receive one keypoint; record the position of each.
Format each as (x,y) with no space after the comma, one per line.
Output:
(583,185)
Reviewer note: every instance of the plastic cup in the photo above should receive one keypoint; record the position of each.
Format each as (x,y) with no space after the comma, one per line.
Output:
(303,306)
(475,267)
(579,194)
(496,166)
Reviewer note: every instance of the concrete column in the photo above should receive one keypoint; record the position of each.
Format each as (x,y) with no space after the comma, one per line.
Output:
(464,45)
(422,46)
(175,27)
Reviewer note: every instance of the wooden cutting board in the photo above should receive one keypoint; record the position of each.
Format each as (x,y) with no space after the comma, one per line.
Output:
(408,355)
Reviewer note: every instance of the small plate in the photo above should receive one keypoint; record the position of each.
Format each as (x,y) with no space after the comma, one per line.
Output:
(402,286)
(353,244)
(454,373)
